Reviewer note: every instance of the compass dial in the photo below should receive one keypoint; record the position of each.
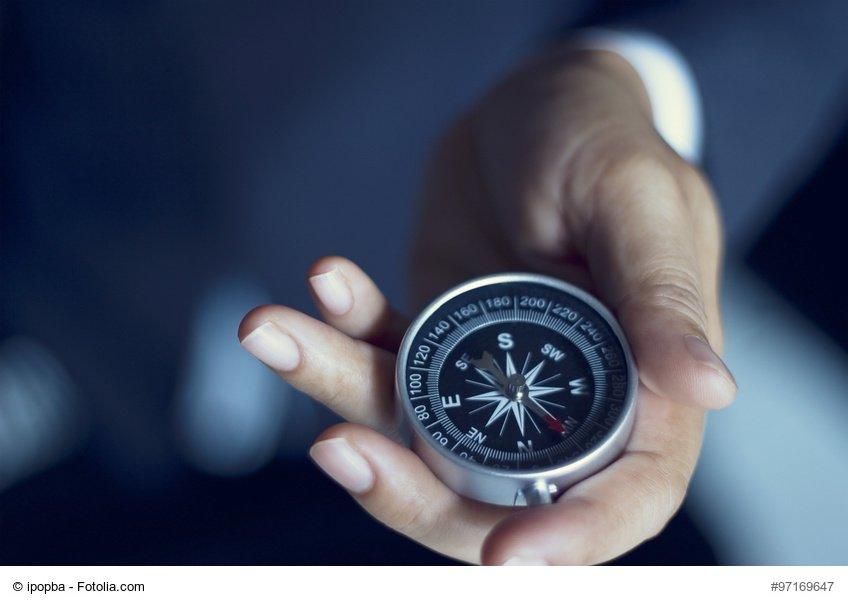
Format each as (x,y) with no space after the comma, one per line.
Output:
(517,373)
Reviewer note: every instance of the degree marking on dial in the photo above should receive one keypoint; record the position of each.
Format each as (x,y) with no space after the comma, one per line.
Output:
(483,307)
(432,342)
(433,423)
(588,420)
(420,397)
(451,318)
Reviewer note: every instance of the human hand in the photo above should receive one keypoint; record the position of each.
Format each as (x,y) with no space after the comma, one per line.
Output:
(557,171)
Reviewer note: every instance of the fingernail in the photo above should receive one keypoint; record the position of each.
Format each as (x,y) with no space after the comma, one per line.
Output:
(333,292)
(342,463)
(703,353)
(273,347)
(525,561)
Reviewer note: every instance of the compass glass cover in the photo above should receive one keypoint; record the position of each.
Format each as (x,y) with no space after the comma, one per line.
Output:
(516,375)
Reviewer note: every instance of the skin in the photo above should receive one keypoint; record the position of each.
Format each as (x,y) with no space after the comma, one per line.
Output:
(558,170)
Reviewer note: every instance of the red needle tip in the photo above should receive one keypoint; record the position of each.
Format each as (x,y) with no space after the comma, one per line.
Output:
(555,424)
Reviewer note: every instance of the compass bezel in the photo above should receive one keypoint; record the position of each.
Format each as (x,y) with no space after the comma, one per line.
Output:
(479,481)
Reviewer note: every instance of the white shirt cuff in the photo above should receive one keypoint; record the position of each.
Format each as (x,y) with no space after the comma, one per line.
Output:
(668,79)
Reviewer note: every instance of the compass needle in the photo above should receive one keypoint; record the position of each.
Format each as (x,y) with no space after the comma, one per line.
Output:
(483,381)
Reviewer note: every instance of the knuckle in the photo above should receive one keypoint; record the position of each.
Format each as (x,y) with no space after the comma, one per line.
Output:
(641,184)
(639,164)
(338,385)
(670,285)
(656,184)
(362,390)
(629,169)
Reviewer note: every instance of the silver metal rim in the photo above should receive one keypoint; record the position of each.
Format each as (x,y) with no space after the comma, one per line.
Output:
(592,461)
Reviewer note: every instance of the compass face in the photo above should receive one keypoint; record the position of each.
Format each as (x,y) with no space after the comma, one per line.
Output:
(516,373)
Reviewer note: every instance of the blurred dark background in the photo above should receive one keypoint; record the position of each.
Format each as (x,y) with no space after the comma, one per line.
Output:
(168,165)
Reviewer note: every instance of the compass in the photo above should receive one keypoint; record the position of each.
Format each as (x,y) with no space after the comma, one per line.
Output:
(515,387)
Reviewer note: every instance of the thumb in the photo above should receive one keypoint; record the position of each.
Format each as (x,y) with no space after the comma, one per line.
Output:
(654,248)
